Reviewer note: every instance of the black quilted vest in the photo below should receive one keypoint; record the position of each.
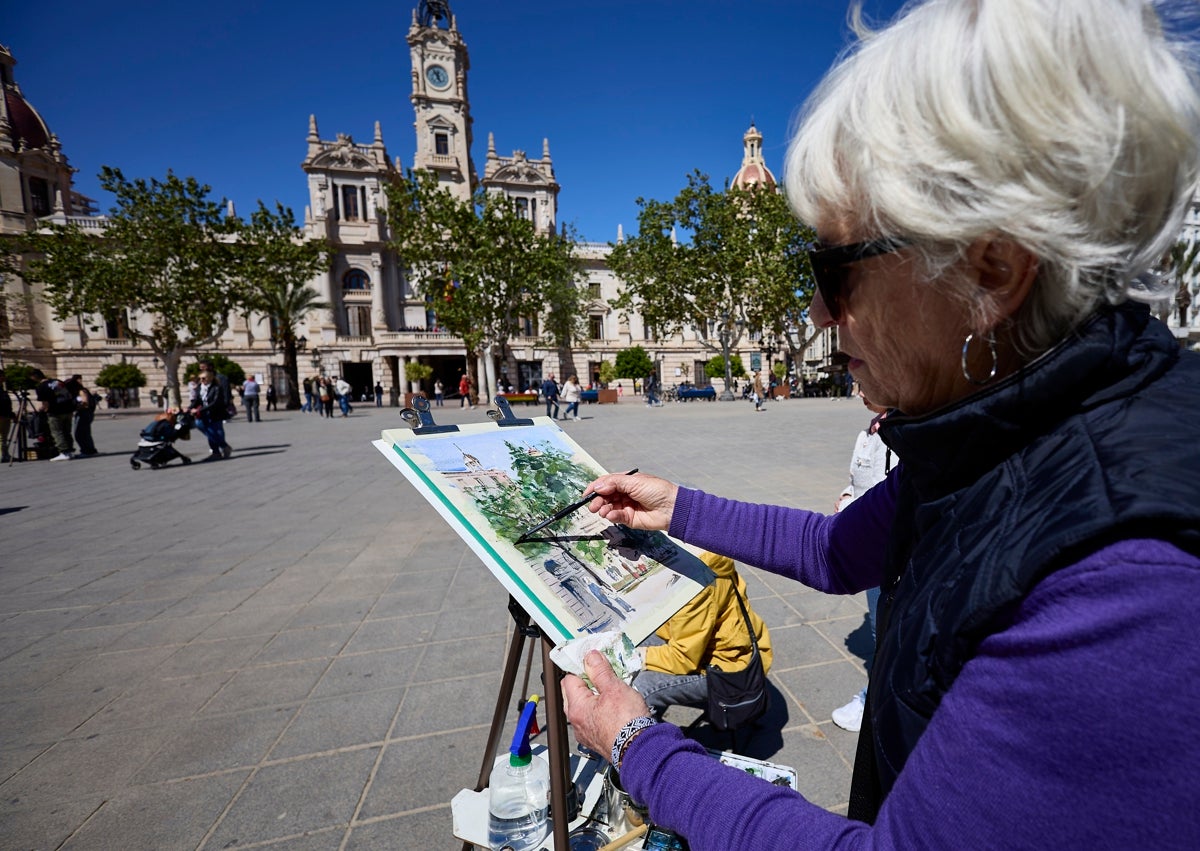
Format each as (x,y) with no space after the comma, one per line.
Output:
(1094,442)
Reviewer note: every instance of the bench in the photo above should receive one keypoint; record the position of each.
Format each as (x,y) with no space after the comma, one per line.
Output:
(685,394)
(514,398)
(589,396)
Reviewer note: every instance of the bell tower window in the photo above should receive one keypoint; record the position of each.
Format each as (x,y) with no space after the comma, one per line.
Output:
(441,144)
(350,206)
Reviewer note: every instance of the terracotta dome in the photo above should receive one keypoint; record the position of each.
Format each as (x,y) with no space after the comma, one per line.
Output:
(754,171)
(27,126)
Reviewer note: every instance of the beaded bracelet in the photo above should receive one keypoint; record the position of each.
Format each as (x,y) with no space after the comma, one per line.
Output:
(627,735)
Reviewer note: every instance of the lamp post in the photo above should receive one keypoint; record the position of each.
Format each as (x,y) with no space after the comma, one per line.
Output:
(769,347)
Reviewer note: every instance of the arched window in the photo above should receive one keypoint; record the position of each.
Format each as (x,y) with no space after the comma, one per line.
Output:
(356,279)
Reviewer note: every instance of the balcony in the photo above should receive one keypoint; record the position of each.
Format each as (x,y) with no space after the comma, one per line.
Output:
(416,335)
(348,340)
(444,161)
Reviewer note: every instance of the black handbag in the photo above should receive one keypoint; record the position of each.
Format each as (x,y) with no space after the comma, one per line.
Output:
(737,698)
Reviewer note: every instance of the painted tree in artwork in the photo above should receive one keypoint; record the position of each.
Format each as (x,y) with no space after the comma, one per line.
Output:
(544,479)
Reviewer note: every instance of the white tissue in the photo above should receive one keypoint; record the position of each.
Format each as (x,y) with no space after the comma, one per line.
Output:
(616,647)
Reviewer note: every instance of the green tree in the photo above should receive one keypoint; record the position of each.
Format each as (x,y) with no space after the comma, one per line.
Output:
(231,369)
(634,363)
(606,372)
(167,251)
(274,261)
(1184,262)
(121,377)
(715,368)
(742,266)
(416,372)
(19,376)
(482,267)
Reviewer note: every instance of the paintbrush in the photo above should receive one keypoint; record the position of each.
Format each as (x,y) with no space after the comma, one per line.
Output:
(561,513)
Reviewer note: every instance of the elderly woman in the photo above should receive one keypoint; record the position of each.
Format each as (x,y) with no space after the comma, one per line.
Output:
(992,182)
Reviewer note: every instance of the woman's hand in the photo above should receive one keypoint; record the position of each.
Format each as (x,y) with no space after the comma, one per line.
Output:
(637,501)
(597,718)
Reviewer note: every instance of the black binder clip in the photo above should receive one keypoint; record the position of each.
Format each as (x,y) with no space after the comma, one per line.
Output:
(421,421)
(504,417)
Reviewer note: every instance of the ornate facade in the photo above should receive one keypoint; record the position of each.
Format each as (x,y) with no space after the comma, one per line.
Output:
(376,324)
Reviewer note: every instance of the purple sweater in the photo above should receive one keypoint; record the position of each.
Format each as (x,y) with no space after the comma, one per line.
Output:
(1071,728)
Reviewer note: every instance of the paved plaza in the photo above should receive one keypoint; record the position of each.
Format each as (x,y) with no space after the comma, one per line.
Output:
(290,649)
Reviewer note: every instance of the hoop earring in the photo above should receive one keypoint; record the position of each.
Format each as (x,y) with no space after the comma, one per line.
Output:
(966,370)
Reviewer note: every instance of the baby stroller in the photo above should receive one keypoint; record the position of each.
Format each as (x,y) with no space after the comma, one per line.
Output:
(156,446)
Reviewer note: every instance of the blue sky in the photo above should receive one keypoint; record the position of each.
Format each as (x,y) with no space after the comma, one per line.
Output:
(632,95)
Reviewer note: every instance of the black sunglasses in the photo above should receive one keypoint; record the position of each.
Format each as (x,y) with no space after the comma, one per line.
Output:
(830,267)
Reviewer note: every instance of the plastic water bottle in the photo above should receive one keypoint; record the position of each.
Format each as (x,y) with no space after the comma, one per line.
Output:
(519,793)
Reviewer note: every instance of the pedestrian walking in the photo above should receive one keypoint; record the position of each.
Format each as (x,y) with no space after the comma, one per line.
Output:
(378,395)
(210,406)
(85,412)
(272,398)
(343,396)
(250,393)
(326,397)
(550,396)
(464,392)
(570,394)
(439,393)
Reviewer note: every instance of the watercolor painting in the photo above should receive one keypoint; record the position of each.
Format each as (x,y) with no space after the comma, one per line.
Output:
(579,575)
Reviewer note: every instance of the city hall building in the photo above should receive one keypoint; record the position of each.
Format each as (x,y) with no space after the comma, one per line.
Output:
(377,322)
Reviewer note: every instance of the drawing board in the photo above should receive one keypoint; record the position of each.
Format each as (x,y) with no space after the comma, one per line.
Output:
(579,575)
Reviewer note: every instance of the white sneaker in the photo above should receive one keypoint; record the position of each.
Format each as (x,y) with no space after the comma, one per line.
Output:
(849,717)
(64,456)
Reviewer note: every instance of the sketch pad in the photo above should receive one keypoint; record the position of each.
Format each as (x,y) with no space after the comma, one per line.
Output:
(583,574)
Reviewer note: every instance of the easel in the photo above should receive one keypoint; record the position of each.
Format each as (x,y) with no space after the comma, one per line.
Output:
(563,806)
(564,803)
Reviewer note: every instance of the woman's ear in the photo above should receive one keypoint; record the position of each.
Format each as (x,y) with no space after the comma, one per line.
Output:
(1006,271)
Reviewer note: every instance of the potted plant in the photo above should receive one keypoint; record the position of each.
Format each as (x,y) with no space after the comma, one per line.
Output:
(782,390)
(416,372)
(607,373)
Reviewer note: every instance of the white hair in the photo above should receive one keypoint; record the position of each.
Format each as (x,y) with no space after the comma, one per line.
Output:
(1067,126)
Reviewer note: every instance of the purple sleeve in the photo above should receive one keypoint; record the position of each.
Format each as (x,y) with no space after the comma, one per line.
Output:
(1070,728)
(839,553)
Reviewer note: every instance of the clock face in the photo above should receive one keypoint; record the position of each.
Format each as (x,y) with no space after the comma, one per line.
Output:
(437,76)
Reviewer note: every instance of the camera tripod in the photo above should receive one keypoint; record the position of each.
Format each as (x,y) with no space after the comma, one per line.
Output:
(15,440)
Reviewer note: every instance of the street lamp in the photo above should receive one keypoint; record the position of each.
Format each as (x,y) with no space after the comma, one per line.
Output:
(301,343)
(316,358)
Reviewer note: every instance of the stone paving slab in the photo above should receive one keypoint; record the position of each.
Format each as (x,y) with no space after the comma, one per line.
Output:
(290,649)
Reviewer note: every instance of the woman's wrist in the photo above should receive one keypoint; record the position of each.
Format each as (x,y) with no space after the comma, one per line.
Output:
(627,734)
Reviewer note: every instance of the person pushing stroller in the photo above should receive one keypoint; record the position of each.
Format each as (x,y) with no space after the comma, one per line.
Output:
(156,446)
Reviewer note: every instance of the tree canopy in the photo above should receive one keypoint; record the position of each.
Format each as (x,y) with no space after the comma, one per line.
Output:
(724,263)
(231,369)
(634,363)
(121,376)
(482,267)
(172,253)
(167,251)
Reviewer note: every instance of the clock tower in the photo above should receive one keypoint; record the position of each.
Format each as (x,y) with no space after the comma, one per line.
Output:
(439,97)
